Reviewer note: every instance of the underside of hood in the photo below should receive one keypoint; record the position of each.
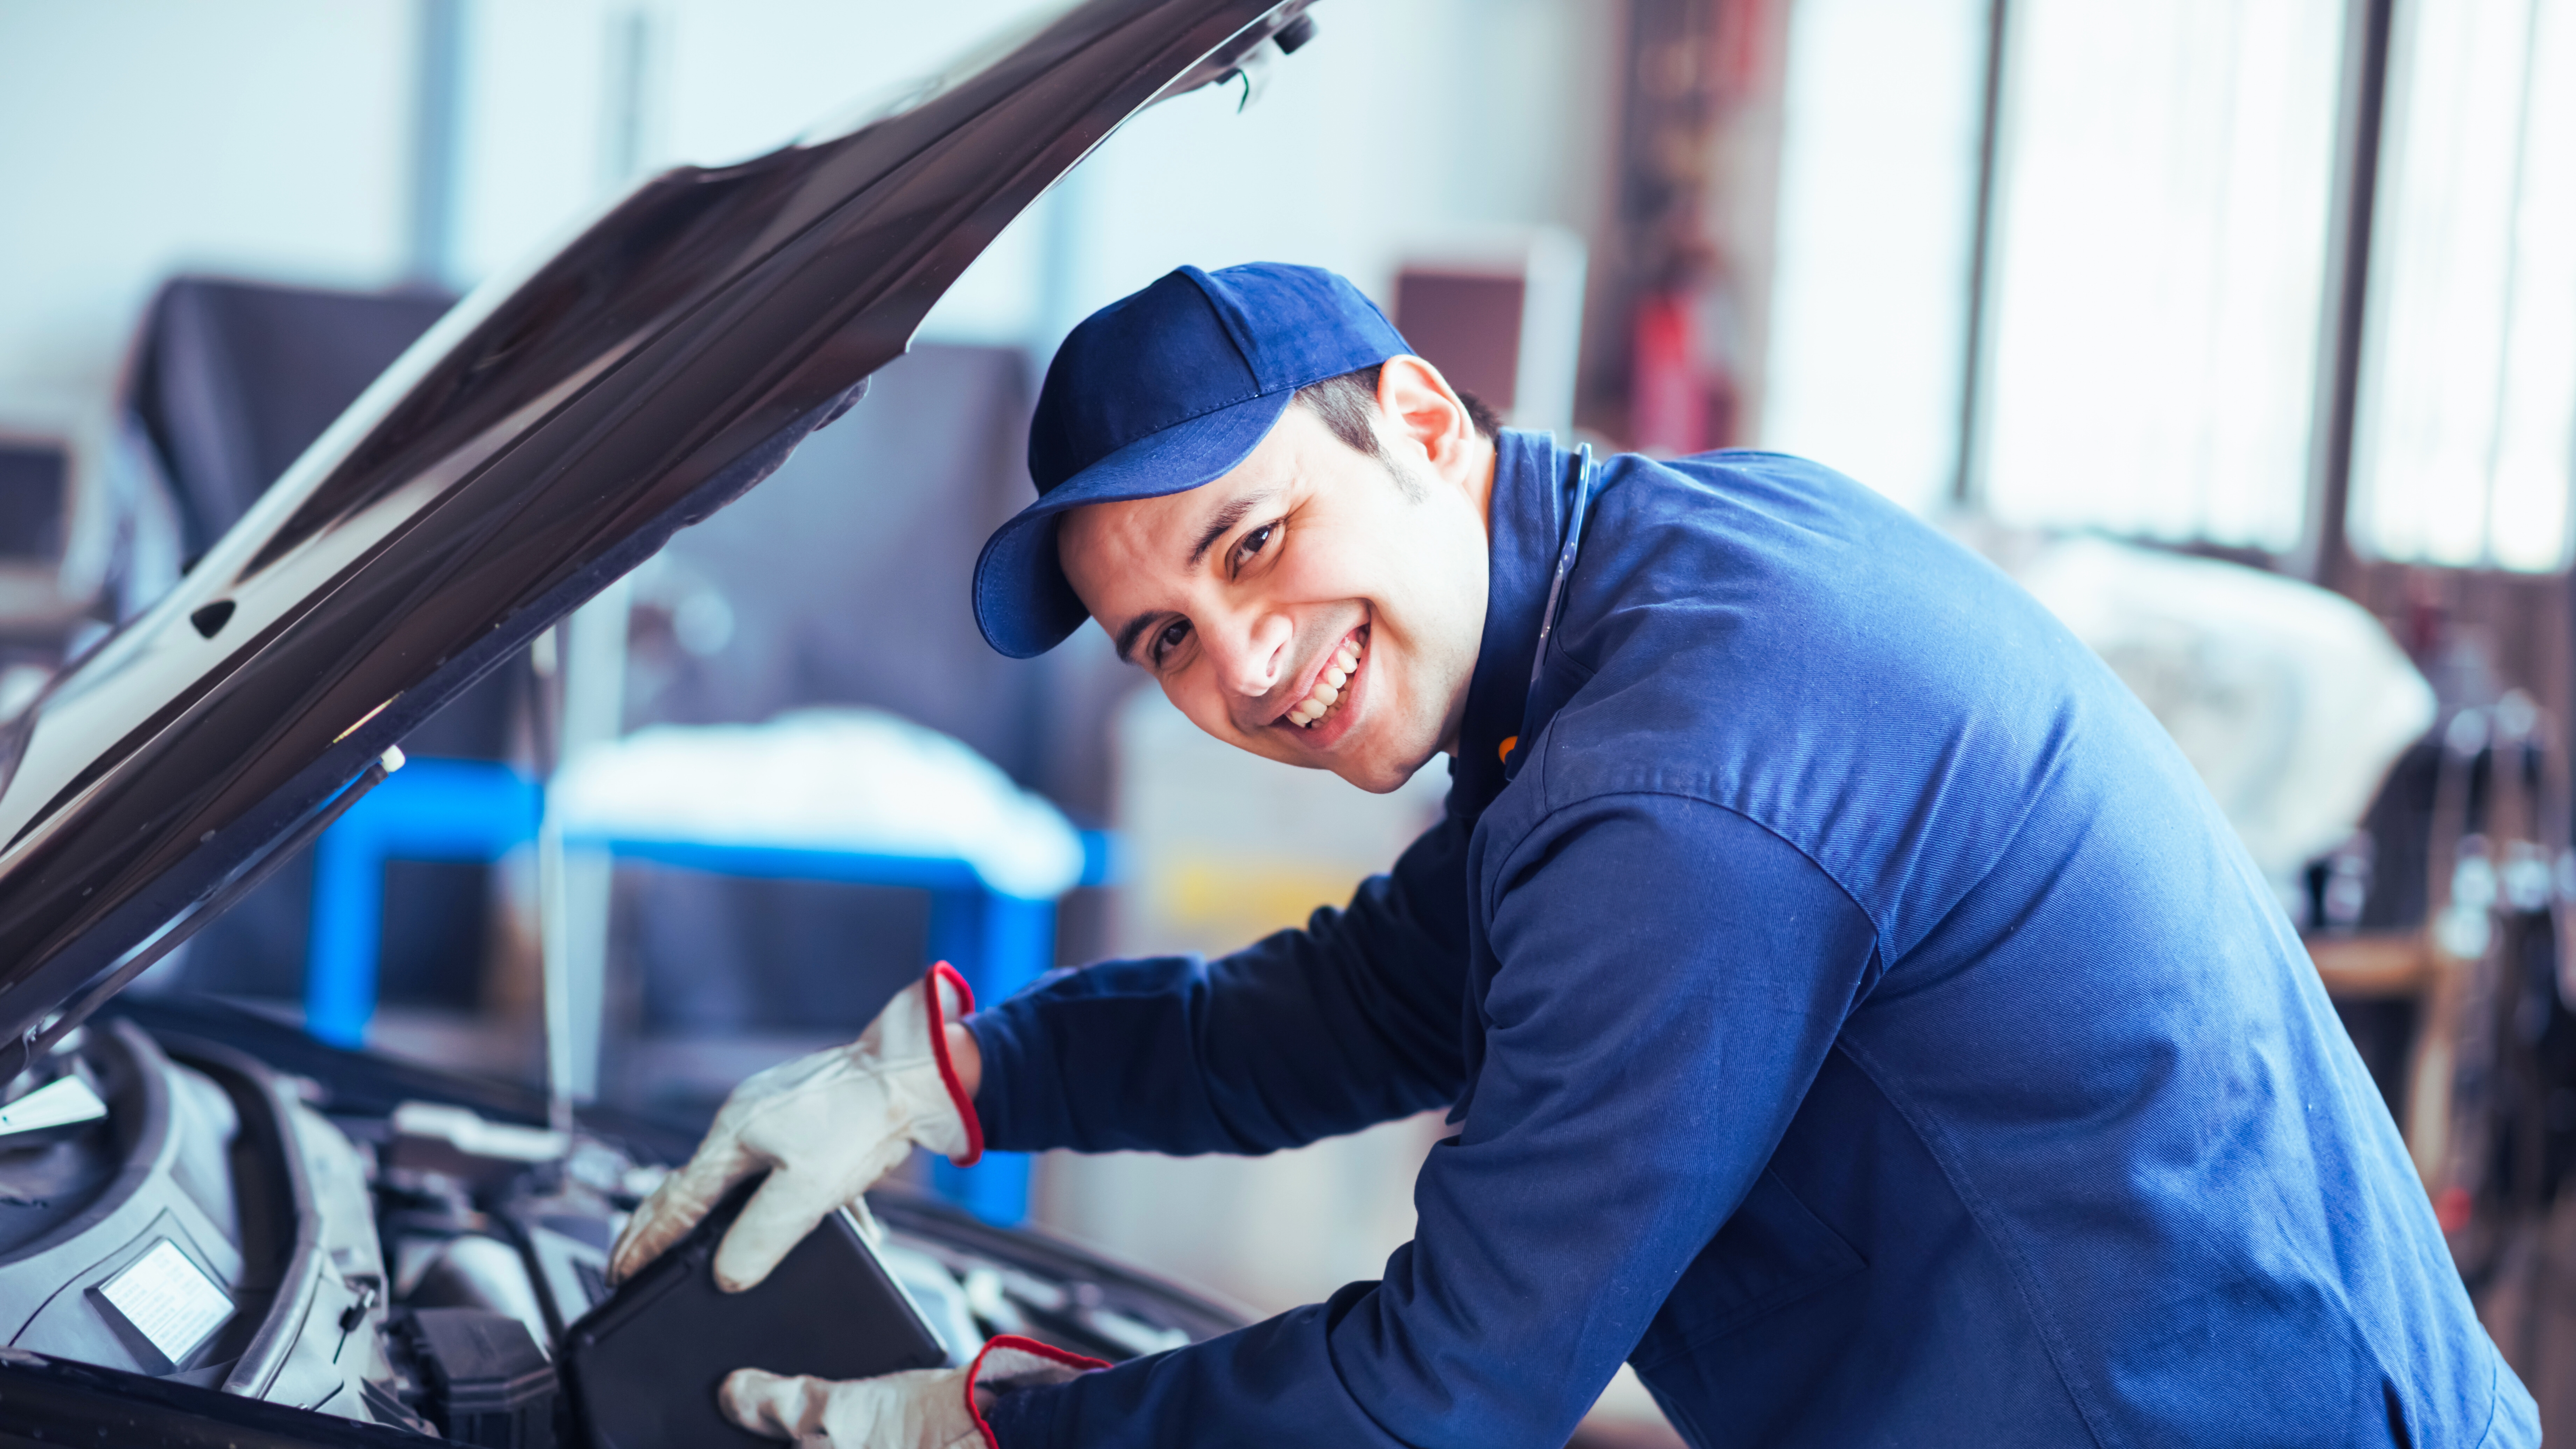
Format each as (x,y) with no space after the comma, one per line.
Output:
(546,436)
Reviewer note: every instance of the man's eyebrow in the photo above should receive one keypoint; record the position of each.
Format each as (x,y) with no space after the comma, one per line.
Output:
(1225,520)
(1127,636)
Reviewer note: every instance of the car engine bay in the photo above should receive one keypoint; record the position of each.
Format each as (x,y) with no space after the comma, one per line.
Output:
(174,1207)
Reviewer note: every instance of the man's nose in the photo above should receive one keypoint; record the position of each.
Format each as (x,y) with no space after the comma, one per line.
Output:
(1255,655)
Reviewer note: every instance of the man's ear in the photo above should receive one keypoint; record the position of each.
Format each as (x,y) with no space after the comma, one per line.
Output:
(1421,407)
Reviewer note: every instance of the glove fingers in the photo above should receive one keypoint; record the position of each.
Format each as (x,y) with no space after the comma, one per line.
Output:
(922,1409)
(676,1206)
(772,1404)
(776,1219)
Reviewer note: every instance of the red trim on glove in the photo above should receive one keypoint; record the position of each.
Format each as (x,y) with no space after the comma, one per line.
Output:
(1046,1351)
(939,972)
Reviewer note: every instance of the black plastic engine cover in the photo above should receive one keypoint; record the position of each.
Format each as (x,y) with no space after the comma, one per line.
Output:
(486,1382)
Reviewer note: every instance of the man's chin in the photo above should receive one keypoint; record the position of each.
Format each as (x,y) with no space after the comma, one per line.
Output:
(1369,775)
(1381,776)
(1377,784)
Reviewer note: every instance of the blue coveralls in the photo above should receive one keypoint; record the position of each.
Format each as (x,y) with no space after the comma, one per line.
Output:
(1856,1015)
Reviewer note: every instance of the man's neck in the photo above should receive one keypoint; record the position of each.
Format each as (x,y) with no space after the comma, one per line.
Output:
(1481,489)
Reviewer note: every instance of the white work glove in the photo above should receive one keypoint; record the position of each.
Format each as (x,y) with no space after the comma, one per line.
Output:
(925,1409)
(826,1127)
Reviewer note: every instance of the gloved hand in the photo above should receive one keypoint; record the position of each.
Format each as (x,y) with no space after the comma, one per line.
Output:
(925,1409)
(827,1126)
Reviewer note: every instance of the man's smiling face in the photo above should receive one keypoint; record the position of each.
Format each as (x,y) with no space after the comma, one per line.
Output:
(1316,605)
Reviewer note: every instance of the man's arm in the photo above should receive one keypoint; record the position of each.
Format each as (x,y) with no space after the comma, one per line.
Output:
(1351,1021)
(1670,979)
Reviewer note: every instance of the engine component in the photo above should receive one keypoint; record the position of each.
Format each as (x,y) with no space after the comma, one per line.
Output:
(481,1379)
(211,1228)
(462,1143)
(472,1270)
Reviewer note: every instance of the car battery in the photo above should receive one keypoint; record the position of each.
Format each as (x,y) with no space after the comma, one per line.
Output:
(645,1365)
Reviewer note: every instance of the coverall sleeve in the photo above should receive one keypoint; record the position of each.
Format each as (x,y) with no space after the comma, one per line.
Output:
(1352,1021)
(1667,978)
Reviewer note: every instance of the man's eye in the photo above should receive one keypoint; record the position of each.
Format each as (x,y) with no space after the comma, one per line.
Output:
(1169,638)
(1253,543)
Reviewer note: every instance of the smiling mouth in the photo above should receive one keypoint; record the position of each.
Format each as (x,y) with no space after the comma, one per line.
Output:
(1331,684)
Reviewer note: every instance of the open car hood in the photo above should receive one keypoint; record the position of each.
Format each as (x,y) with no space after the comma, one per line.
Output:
(545,437)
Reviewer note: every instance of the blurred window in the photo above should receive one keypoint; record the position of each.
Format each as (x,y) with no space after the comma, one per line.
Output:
(2468,414)
(1883,109)
(2158,265)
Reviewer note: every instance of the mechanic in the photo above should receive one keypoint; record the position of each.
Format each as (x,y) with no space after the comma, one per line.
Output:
(1853,1011)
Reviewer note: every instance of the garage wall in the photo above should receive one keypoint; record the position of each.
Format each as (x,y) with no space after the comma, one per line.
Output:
(275,138)
(136,138)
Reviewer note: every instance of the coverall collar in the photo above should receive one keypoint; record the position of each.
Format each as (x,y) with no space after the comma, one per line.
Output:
(1525,526)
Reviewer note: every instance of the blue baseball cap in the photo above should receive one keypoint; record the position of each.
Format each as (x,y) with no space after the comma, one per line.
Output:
(1156,394)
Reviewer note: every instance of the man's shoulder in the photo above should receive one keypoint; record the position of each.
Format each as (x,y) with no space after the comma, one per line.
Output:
(1763,605)
(1788,488)
(1779,559)
(1761,633)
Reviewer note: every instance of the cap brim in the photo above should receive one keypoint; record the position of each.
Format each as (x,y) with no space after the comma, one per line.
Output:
(1023,602)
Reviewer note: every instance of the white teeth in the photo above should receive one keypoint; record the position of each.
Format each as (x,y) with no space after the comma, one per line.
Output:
(1328,687)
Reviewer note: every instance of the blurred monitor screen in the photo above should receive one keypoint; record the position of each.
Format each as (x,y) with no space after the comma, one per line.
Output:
(31,499)
(1468,324)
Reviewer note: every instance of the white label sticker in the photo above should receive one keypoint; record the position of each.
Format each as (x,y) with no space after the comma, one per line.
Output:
(58,1103)
(168,1300)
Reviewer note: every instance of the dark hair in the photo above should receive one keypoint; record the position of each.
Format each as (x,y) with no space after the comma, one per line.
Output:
(1348,406)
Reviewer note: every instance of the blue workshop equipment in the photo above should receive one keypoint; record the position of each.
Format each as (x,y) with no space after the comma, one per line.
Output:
(471,810)
(432,809)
